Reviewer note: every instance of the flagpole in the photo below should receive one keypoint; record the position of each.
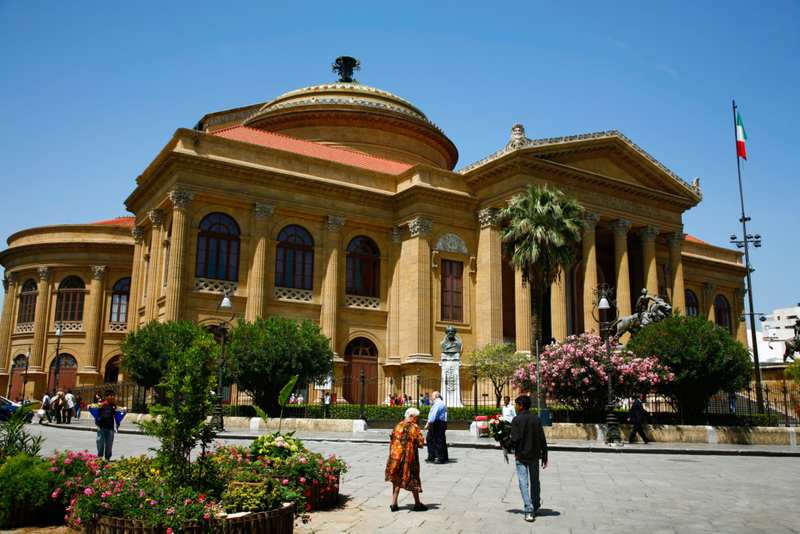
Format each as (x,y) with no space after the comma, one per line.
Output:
(743,220)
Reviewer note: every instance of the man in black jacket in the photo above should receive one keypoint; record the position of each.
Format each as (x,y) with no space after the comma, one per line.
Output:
(637,418)
(529,446)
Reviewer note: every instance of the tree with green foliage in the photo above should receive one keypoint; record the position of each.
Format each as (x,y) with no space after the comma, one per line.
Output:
(188,380)
(704,357)
(792,371)
(146,351)
(263,355)
(544,228)
(497,363)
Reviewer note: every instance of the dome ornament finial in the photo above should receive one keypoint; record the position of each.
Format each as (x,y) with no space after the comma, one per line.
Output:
(345,65)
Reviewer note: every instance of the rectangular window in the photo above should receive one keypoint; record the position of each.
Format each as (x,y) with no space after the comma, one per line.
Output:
(452,291)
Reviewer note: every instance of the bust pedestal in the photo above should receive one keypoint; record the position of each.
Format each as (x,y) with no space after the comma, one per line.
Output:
(451,383)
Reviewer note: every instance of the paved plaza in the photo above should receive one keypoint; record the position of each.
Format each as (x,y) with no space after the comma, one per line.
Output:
(582,491)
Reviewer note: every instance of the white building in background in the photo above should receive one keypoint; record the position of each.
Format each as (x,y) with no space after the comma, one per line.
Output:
(769,350)
(780,325)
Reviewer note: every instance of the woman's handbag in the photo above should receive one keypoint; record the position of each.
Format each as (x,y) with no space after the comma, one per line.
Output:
(41,413)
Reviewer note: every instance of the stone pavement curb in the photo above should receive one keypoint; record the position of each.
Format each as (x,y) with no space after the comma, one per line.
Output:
(462,439)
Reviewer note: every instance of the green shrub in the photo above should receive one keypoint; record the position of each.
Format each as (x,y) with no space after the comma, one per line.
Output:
(14,436)
(267,495)
(27,480)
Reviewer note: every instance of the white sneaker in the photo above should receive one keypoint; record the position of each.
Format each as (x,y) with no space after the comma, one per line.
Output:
(529,517)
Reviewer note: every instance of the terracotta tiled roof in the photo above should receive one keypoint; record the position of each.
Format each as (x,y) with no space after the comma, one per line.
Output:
(694,239)
(119,221)
(309,148)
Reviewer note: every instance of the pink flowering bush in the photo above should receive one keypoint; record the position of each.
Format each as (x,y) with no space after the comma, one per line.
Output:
(573,372)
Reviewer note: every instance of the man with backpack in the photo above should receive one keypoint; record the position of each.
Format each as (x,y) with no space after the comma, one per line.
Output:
(106,422)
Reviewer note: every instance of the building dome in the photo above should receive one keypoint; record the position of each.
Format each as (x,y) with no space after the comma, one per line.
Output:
(352,116)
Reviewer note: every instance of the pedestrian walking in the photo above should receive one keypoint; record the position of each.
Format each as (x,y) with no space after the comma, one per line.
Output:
(402,467)
(509,413)
(69,406)
(300,399)
(58,405)
(106,422)
(529,446)
(436,427)
(78,406)
(637,418)
(46,407)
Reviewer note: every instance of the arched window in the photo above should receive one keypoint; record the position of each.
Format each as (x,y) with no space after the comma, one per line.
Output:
(692,305)
(69,306)
(119,301)
(27,302)
(722,313)
(67,372)
(294,261)
(363,268)
(20,362)
(218,248)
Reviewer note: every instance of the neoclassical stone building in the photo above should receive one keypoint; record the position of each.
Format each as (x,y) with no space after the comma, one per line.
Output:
(340,203)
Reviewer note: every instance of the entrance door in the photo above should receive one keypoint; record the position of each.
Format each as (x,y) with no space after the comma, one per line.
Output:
(361,354)
(67,375)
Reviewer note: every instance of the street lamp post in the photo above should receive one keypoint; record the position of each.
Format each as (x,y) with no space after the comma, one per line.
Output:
(225,307)
(59,333)
(603,294)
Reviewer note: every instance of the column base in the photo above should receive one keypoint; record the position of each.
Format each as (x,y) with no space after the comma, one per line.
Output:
(418,358)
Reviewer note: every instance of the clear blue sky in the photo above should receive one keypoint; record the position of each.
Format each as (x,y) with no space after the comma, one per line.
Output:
(92,91)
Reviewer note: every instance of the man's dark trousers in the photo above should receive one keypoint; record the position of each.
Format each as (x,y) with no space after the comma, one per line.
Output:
(437,442)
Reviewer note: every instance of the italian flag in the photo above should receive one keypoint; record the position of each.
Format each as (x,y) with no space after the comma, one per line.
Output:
(741,137)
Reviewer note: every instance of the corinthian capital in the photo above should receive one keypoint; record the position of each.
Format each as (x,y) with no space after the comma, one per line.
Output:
(99,271)
(11,277)
(648,233)
(420,226)
(334,224)
(262,212)
(156,216)
(397,235)
(709,288)
(620,227)
(675,239)
(138,234)
(590,219)
(45,272)
(488,217)
(740,292)
(181,198)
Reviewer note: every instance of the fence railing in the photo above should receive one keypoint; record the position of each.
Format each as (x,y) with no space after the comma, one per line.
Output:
(473,395)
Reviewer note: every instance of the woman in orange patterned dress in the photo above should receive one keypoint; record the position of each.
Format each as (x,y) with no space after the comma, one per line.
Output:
(402,468)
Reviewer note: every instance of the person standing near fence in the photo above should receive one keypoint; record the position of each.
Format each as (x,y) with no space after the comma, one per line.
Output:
(436,427)
(106,422)
(509,413)
(78,406)
(637,418)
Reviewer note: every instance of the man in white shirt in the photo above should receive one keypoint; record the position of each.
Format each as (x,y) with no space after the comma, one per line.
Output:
(509,413)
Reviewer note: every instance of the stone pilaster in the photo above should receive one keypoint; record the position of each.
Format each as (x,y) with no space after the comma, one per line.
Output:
(415,328)
(675,242)
(489,280)
(94,320)
(620,228)
(41,321)
(7,320)
(330,284)
(152,292)
(257,281)
(589,246)
(522,305)
(137,279)
(393,326)
(710,289)
(558,307)
(179,245)
(648,236)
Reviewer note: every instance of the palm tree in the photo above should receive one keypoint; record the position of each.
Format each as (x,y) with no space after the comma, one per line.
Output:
(540,240)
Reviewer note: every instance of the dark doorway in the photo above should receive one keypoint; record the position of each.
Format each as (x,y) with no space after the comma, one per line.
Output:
(361,354)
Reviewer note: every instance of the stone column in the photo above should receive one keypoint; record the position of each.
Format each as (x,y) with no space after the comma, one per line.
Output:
(257,282)
(137,279)
(330,284)
(522,305)
(648,236)
(152,292)
(489,281)
(620,228)
(40,322)
(741,327)
(589,246)
(393,326)
(558,307)
(709,288)
(415,327)
(675,242)
(176,276)
(10,288)
(94,319)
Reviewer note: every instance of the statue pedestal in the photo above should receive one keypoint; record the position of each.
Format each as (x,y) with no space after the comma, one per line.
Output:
(451,383)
